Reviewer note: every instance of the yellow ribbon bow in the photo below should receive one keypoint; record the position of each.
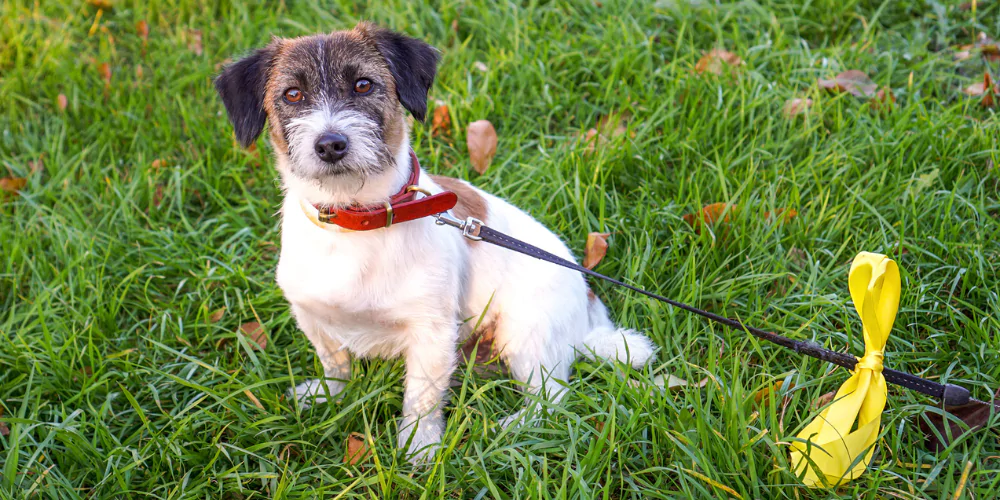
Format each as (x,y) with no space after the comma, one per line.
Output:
(832,450)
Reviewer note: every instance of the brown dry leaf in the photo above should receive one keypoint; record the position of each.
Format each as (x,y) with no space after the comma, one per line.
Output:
(984,88)
(762,398)
(104,69)
(38,165)
(255,334)
(13,185)
(195,44)
(138,72)
(481,139)
(884,100)
(672,383)
(978,89)
(853,81)
(824,400)
(62,102)
(158,196)
(973,415)
(157,163)
(102,4)
(797,106)
(963,55)
(441,122)
(595,250)
(786,214)
(716,61)
(217,315)
(357,449)
(4,430)
(142,28)
(709,214)
(591,139)
(988,47)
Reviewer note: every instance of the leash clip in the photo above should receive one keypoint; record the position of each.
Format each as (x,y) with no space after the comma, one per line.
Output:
(470,226)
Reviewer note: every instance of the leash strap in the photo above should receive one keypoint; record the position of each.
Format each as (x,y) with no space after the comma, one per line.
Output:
(950,394)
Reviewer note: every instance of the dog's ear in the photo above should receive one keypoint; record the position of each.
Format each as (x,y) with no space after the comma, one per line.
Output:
(412,62)
(241,87)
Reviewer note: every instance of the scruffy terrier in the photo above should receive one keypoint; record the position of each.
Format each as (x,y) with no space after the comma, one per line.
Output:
(362,282)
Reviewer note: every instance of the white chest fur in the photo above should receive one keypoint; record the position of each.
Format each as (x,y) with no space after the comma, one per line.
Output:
(368,289)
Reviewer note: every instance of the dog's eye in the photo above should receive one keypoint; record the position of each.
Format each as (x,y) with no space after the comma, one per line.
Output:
(363,86)
(293,95)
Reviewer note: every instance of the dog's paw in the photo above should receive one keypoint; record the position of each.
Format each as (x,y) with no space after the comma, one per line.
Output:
(523,417)
(313,391)
(513,420)
(425,441)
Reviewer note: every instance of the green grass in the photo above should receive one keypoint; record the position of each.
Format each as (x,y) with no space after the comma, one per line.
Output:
(114,381)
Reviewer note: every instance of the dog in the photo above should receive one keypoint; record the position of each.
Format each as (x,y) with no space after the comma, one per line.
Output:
(336,105)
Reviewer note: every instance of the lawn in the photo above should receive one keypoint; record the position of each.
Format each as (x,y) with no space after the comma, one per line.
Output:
(144,238)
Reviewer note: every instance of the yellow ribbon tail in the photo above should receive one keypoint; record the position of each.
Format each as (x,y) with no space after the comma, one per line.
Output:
(838,445)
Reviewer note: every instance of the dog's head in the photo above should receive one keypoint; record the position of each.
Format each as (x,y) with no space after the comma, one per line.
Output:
(335,103)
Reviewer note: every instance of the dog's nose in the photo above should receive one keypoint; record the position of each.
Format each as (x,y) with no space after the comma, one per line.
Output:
(331,147)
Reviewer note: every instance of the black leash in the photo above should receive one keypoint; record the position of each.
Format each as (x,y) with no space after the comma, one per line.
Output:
(949,394)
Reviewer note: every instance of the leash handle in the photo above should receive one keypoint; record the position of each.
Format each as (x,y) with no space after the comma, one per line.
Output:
(949,394)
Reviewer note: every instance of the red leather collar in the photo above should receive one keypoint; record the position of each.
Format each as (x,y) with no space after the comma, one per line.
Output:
(401,207)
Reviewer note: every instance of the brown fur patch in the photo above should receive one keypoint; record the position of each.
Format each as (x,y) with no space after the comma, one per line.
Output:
(483,338)
(470,203)
(482,341)
(591,296)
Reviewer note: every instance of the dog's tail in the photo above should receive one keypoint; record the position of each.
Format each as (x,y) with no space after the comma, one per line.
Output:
(606,341)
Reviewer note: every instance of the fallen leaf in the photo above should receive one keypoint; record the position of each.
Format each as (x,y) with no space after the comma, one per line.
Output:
(13,185)
(591,140)
(138,72)
(672,383)
(786,214)
(442,119)
(101,4)
(62,102)
(853,81)
(824,400)
(256,334)
(611,126)
(984,88)
(763,396)
(195,44)
(481,139)
(978,89)
(4,430)
(157,163)
(357,449)
(973,415)
(158,196)
(217,315)
(595,250)
(797,106)
(142,28)
(104,69)
(709,214)
(37,166)
(962,55)
(716,61)
(884,100)
(988,47)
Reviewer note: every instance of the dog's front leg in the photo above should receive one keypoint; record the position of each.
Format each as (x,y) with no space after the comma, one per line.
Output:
(335,359)
(430,361)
